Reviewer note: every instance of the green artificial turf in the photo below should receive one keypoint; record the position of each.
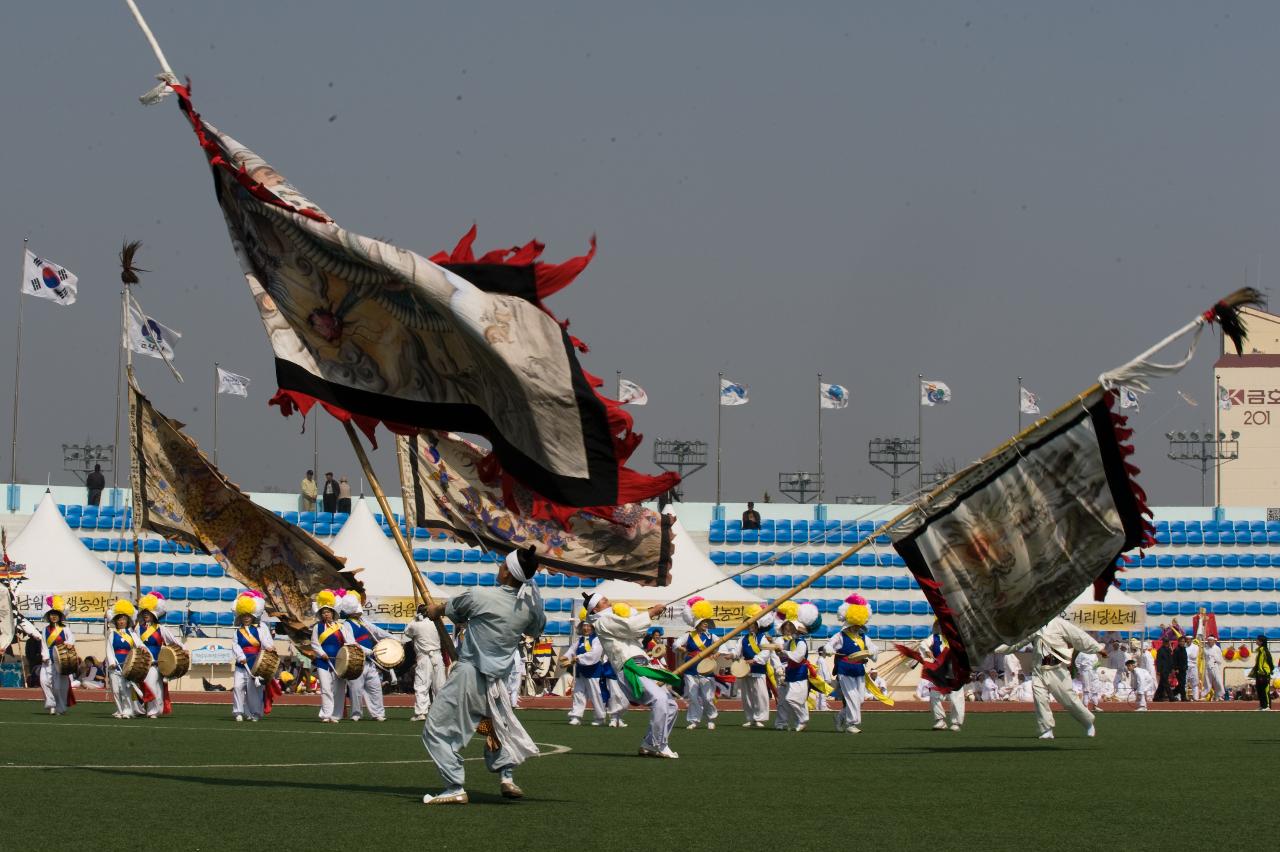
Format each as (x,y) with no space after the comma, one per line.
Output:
(898,785)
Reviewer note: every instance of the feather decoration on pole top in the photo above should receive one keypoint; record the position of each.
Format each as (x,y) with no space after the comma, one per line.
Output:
(1226,314)
(129,272)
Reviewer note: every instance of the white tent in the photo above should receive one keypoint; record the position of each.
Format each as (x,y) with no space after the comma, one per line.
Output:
(691,572)
(364,545)
(58,562)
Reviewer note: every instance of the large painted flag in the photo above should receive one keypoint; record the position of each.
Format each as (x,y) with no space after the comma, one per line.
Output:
(1008,543)
(377,333)
(832,396)
(178,493)
(444,490)
(45,279)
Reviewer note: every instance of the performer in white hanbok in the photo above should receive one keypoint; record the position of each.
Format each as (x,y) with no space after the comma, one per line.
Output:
(616,702)
(55,685)
(622,630)
(327,638)
(1142,685)
(699,688)
(475,698)
(991,690)
(1193,669)
(1052,646)
(366,690)
(586,656)
(121,639)
(428,668)
(154,635)
(853,653)
(1213,666)
(1086,666)
(754,687)
(793,691)
(247,690)
(947,707)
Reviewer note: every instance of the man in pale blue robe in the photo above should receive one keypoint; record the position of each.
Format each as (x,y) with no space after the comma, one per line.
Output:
(476,694)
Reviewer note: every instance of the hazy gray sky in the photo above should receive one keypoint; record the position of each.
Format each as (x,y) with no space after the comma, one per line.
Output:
(971,190)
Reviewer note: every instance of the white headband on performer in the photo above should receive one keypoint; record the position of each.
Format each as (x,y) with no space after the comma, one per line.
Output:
(593,601)
(528,593)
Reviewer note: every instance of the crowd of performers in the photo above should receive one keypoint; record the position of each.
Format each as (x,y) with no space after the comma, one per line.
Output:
(617,660)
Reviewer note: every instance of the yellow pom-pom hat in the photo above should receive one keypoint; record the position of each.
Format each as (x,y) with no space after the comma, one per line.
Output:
(326,599)
(251,603)
(788,610)
(855,611)
(55,603)
(697,610)
(121,607)
(763,622)
(154,603)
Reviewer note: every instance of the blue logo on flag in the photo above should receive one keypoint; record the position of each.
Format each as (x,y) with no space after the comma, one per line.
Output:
(835,393)
(733,391)
(936,394)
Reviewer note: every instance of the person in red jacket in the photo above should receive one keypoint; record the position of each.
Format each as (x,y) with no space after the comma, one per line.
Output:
(1204,625)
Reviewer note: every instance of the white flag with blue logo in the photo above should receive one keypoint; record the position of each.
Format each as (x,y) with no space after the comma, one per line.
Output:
(146,336)
(232,383)
(934,393)
(1128,398)
(833,396)
(45,279)
(732,393)
(1224,398)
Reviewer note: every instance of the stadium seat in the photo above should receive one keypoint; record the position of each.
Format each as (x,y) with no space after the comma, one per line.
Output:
(437,554)
(1262,560)
(436,577)
(471,556)
(320,529)
(716,536)
(224,619)
(800,559)
(196,593)
(768,581)
(164,569)
(1187,608)
(750,558)
(783,559)
(1183,584)
(733,537)
(749,581)
(1249,584)
(1253,609)
(1150,584)
(866,560)
(555,581)
(1220,608)
(901,584)
(215,570)
(1168,585)
(1182,561)
(920,608)
(920,631)
(717,557)
(750,536)
(867,582)
(470,578)
(1270,609)
(1200,584)
(1234,584)
(885,584)
(1155,608)
(1178,539)
(1164,561)
(733,558)
(453,578)
(199,569)
(181,569)
(1196,560)
(1266,584)
(1231,560)
(903,632)
(148,569)
(1245,560)
(1236,608)
(453,555)
(1213,560)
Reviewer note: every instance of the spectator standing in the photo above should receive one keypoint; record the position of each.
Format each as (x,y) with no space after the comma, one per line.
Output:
(751,518)
(330,493)
(308,499)
(94,483)
(344,495)
(1192,680)
(1179,692)
(1213,665)
(1164,668)
(1263,666)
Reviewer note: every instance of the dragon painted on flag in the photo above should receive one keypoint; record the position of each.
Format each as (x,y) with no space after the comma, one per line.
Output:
(377,333)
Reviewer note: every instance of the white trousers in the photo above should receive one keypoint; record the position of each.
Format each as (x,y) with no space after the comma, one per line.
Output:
(700,692)
(1053,682)
(793,707)
(618,702)
(366,691)
(127,703)
(755,698)
(1193,682)
(54,686)
(1213,679)
(155,683)
(853,691)
(333,692)
(948,708)
(662,712)
(1090,687)
(428,678)
(587,689)
(246,694)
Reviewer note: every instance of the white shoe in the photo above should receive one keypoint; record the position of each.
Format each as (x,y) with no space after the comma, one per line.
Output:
(939,726)
(116,715)
(1139,709)
(452,796)
(595,724)
(417,718)
(613,723)
(667,753)
(1047,735)
(574,722)
(759,724)
(355,718)
(621,724)
(240,718)
(1091,731)
(711,726)
(691,726)
(1098,709)
(800,728)
(955,727)
(853,729)
(747,724)
(153,715)
(126,715)
(253,718)
(53,712)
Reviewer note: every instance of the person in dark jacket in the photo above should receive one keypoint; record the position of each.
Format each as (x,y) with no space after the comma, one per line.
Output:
(1179,692)
(94,483)
(329,496)
(1164,668)
(1263,670)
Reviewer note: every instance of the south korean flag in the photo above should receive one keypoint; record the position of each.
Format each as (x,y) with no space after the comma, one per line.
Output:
(45,279)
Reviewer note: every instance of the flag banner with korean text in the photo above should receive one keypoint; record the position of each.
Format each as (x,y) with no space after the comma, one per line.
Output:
(733,393)
(832,396)
(45,279)
(232,383)
(444,490)
(178,493)
(630,393)
(1008,543)
(1028,403)
(377,333)
(934,393)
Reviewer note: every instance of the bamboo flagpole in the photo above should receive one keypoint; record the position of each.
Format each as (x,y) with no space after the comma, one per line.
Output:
(1133,374)
(419,585)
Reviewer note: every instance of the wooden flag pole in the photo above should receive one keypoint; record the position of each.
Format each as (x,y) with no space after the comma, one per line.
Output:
(419,585)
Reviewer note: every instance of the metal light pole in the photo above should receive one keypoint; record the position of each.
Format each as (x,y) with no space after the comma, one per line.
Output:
(680,456)
(800,485)
(1202,451)
(894,457)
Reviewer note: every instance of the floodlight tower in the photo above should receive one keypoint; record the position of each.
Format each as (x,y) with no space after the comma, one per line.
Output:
(894,457)
(1203,450)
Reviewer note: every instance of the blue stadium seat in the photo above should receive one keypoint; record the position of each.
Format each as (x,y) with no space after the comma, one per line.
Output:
(867,581)
(164,569)
(1233,584)
(1249,584)
(437,554)
(215,570)
(1200,584)
(1168,585)
(225,619)
(181,569)
(437,577)
(768,581)
(1236,608)
(920,631)
(765,535)
(1266,584)
(1148,561)
(1155,608)
(1187,608)
(1263,560)
(1245,560)
(750,536)
(1196,560)
(224,595)
(884,583)
(800,558)
(867,560)
(1272,633)
(199,569)
(453,555)
(733,557)
(1220,608)
(1178,539)
(750,557)
(453,578)
(1211,538)
(421,554)
(167,546)
(903,632)
(1151,584)
(749,581)
(101,545)
(1183,584)
(783,559)
(1164,561)
(1271,609)
(820,582)
(733,537)
(173,617)
(555,581)
(148,569)
(471,556)
(884,560)
(1253,609)
(901,584)
(1231,560)
(1162,537)
(920,608)
(151,545)
(196,593)
(1213,560)
(470,578)
(717,557)
(320,529)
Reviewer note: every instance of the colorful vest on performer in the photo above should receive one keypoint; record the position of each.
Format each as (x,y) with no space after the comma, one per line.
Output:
(331,643)
(848,645)
(937,645)
(751,649)
(583,669)
(153,640)
(796,672)
(607,671)
(250,644)
(53,635)
(694,645)
(362,635)
(122,643)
